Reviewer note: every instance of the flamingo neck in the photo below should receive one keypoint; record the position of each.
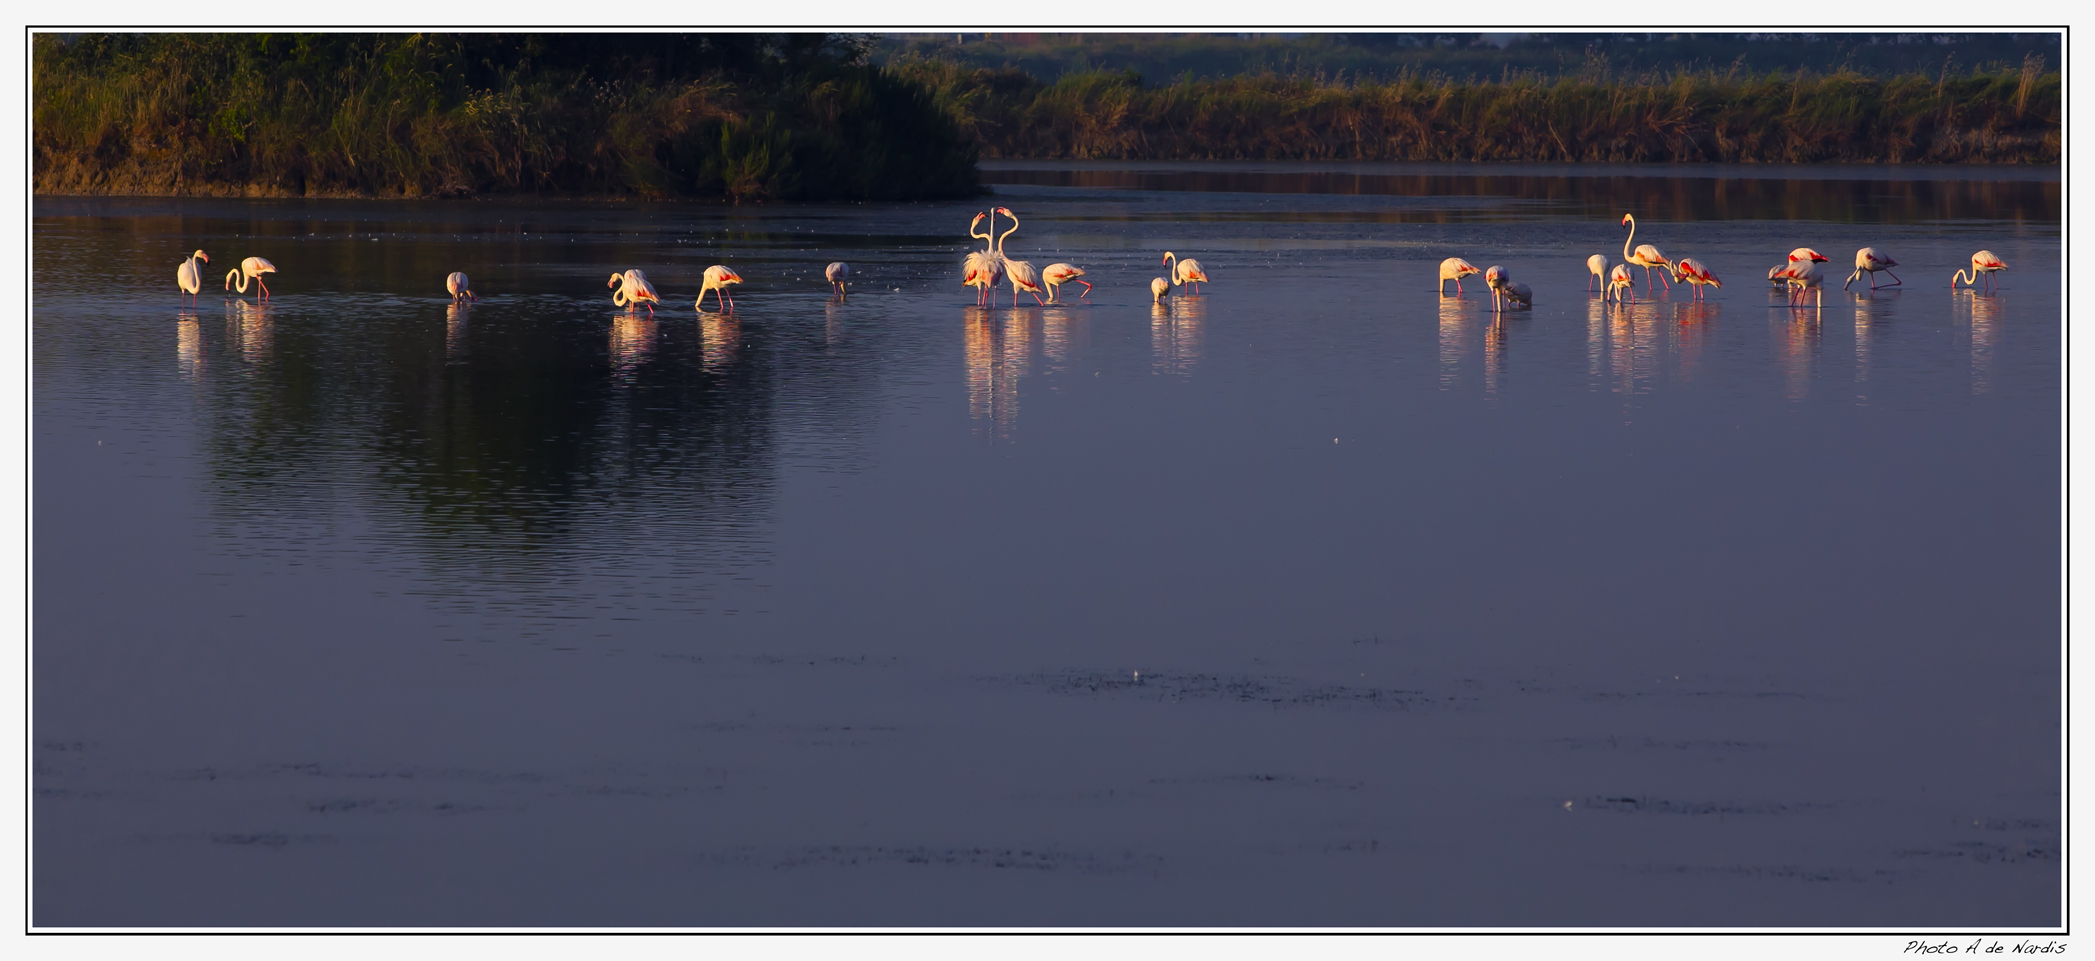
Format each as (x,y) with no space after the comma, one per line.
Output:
(1007,233)
(232,275)
(1632,235)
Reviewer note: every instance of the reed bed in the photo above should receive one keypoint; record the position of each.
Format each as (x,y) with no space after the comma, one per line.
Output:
(738,117)
(2001,116)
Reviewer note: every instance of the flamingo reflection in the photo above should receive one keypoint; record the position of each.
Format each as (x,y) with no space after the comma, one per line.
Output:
(1064,336)
(189,346)
(1691,329)
(720,340)
(455,327)
(1984,315)
(1796,351)
(632,342)
(1454,341)
(1175,335)
(992,386)
(247,324)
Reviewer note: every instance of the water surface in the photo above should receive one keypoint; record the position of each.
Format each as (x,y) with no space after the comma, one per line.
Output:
(1314,599)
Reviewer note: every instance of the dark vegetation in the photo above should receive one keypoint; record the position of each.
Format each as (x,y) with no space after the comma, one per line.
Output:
(812,116)
(1995,114)
(737,116)
(1471,57)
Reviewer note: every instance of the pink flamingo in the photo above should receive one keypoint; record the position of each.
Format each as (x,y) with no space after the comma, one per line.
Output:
(1598,266)
(459,287)
(1868,260)
(717,279)
(1023,276)
(633,288)
(1691,270)
(251,269)
(1645,256)
(1187,271)
(983,268)
(189,277)
(1620,282)
(1058,274)
(1455,268)
(1982,263)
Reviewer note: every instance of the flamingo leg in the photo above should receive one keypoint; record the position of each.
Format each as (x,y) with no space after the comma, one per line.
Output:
(730,299)
(1895,281)
(1087,288)
(265,288)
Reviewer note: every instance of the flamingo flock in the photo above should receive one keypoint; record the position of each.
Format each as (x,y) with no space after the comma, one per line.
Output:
(990,267)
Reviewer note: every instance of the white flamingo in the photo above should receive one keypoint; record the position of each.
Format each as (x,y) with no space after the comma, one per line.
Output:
(1645,256)
(632,288)
(717,279)
(1692,271)
(1187,271)
(1520,294)
(1619,283)
(251,269)
(836,274)
(459,287)
(1598,265)
(1159,288)
(1779,274)
(1058,274)
(983,268)
(1868,260)
(1802,276)
(189,277)
(1455,268)
(1496,278)
(1023,276)
(1982,263)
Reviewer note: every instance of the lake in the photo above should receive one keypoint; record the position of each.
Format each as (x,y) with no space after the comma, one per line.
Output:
(1316,598)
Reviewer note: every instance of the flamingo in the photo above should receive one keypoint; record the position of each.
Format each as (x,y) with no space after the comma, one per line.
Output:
(1159,288)
(1983,262)
(983,268)
(1455,268)
(1598,264)
(189,277)
(1189,271)
(1496,278)
(459,286)
(633,288)
(836,274)
(1058,274)
(1779,274)
(251,269)
(1802,276)
(1619,282)
(717,279)
(1645,256)
(1023,276)
(1692,271)
(1869,260)
(1519,293)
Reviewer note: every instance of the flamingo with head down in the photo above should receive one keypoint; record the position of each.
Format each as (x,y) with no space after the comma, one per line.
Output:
(1869,261)
(1598,266)
(1691,270)
(251,269)
(459,286)
(1058,274)
(1455,268)
(836,274)
(1778,274)
(1982,263)
(632,288)
(1619,283)
(717,279)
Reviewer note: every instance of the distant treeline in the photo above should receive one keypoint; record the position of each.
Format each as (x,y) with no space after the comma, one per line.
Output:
(1997,116)
(1601,57)
(736,116)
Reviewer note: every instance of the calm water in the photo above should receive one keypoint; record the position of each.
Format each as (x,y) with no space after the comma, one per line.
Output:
(359,608)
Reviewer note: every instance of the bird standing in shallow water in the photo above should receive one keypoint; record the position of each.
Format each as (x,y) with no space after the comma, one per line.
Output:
(1598,265)
(189,277)
(1159,289)
(1620,282)
(1868,260)
(632,288)
(983,268)
(459,287)
(836,274)
(717,279)
(1645,256)
(1455,268)
(251,269)
(1983,262)
(1187,271)
(1058,274)
(1023,276)
(1691,270)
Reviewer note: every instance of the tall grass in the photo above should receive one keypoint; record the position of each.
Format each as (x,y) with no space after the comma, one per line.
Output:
(736,116)
(2006,116)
